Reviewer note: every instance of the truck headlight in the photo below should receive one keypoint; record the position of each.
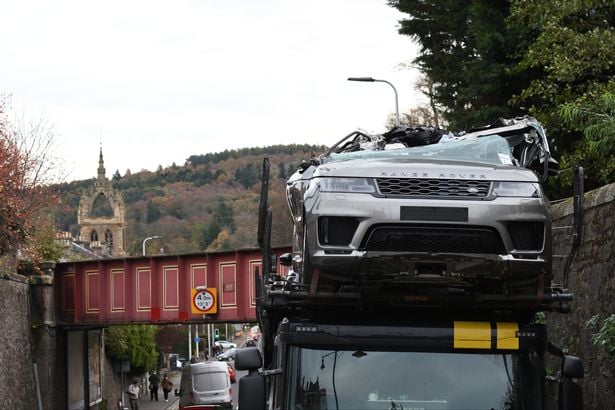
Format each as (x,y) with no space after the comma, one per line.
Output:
(516,189)
(353,185)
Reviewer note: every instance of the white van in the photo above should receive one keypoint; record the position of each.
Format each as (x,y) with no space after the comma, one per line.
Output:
(204,385)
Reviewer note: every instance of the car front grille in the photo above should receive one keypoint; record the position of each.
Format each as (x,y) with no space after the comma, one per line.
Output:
(434,239)
(433,188)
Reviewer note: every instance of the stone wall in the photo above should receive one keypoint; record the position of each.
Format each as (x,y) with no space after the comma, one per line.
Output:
(112,383)
(16,365)
(45,336)
(592,281)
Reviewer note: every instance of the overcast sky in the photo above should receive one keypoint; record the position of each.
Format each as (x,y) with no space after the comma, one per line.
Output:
(160,81)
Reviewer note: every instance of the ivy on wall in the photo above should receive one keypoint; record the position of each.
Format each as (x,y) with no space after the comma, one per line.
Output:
(605,333)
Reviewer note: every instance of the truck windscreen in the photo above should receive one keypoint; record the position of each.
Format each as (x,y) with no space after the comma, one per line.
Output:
(345,379)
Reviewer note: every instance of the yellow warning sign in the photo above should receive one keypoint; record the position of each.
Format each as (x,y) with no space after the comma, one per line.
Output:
(204,301)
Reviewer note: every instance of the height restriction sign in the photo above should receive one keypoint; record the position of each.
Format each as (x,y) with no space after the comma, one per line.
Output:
(204,301)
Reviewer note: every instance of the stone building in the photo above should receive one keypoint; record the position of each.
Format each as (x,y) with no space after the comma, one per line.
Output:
(102,216)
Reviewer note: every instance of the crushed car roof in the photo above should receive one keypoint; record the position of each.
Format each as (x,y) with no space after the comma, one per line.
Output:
(527,142)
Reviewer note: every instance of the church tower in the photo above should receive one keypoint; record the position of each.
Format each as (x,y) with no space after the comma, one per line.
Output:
(101,216)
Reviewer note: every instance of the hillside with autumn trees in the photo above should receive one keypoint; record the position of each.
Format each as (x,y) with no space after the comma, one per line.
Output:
(209,203)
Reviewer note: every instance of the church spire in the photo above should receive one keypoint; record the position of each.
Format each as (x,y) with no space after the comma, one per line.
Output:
(101,167)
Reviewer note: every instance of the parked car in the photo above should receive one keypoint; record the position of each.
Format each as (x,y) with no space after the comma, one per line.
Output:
(253,336)
(174,361)
(205,384)
(425,204)
(231,373)
(224,344)
(228,355)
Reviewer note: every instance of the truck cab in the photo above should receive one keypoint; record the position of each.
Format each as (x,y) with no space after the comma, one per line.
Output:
(369,362)
(428,365)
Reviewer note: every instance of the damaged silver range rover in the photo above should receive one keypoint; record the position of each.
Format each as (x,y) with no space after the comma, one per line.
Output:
(426,205)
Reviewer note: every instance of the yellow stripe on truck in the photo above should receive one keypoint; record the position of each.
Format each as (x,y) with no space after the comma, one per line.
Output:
(471,335)
(507,336)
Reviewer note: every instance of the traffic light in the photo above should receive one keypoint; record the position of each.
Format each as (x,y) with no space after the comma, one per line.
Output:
(216,334)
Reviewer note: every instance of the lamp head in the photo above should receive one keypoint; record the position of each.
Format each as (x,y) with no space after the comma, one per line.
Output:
(363,79)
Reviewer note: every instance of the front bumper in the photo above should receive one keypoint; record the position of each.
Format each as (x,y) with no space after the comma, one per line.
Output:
(361,233)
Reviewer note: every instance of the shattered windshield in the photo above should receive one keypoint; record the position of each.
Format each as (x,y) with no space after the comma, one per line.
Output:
(492,149)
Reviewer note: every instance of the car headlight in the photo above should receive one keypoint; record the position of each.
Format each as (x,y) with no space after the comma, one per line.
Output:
(353,185)
(516,189)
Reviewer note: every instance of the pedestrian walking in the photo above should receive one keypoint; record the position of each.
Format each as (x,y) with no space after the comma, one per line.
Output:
(134,392)
(154,382)
(216,350)
(167,386)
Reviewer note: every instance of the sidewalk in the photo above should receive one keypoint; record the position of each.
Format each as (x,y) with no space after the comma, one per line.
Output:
(172,404)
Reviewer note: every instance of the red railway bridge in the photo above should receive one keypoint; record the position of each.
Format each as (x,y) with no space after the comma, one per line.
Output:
(72,303)
(157,289)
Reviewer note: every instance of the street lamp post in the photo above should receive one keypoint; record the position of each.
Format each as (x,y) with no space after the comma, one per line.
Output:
(147,239)
(373,80)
